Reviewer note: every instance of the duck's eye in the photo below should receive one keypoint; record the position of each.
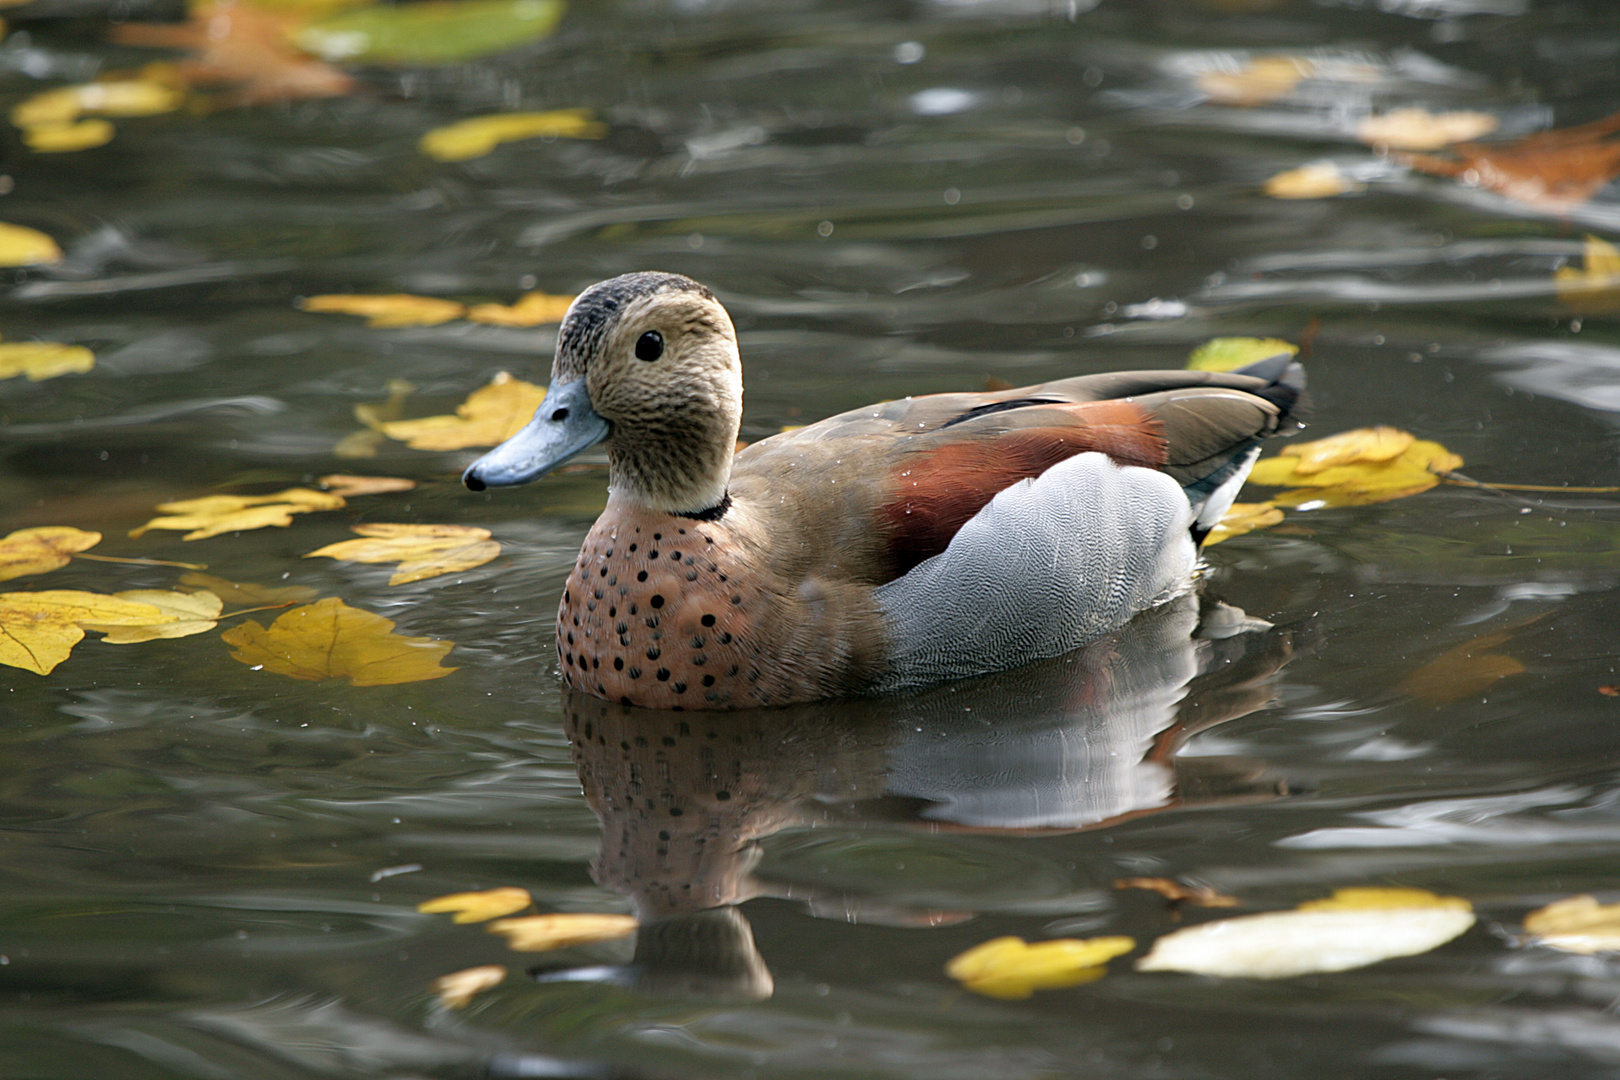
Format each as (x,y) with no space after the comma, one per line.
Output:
(650,346)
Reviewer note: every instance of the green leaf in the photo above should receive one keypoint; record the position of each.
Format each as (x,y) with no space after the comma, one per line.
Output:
(432,32)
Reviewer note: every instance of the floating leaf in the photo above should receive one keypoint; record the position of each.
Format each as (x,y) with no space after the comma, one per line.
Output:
(1466,671)
(68,138)
(348,487)
(39,629)
(374,414)
(184,614)
(1419,129)
(432,31)
(478,135)
(1318,180)
(1012,969)
(43,359)
(1264,79)
(490,415)
(1354,468)
(1594,287)
(532,309)
(1577,925)
(1376,445)
(329,639)
(22,246)
(1243,518)
(422,551)
(541,933)
(457,989)
(476,907)
(42,549)
(1177,893)
(1231,353)
(239,595)
(215,514)
(115,97)
(1554,170)
(1355,928)
(387,311)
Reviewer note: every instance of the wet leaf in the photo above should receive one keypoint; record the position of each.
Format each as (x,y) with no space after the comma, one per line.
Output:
(1554,170)
(533,309)
(1466,671)
(477,136)
(115,97)
(68,138)
(240,595)
(1355,468)
(348,487)
(1318,180)
(43,360)
(1231,353)
(329,639)
(42,549)
(1264,79)
(1594,287)
(184,614)
(1243,518)
(431,31)
(39,629)
(1577,925)
(457,989)
(422,551)
(490,415)
(1353,929)
(1376,445)
(374,414)
(215,514)
(1177,893)
(387,311)
(1419,129)
(22,246)
(1012,969)
(476,907)
(541,933)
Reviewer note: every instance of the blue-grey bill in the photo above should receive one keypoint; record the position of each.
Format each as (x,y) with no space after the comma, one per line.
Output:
(563,425)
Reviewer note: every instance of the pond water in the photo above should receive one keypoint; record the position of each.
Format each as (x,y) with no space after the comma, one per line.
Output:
(212,871)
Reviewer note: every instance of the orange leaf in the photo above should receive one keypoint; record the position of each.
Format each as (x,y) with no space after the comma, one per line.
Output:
(1554,169)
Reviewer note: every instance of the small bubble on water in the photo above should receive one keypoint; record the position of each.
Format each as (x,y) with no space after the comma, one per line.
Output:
(909,52)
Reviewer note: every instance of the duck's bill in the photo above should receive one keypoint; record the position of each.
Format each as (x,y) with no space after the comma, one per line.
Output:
(563,425)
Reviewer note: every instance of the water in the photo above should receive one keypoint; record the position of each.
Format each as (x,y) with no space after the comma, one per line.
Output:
(212,872)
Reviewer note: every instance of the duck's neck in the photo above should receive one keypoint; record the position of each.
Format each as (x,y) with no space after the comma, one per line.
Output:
(677,469)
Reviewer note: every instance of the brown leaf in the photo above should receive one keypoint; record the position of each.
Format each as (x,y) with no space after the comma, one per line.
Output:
(1466,671)
(490,415)
(422,551)
(348,487)
(1555,170)
(329,639)
(1177,893)
(41,550)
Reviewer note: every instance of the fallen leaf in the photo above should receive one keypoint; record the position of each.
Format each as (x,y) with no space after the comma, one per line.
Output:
(68,138)
(347,487)
(388,311)
(476,907)
(1353,469)
(1576,925)
(1177,893)
(457,989)
(1594,287)
(42,549)
(238,594)
(1262,80)
(1243,518)
(22,246)
(215,514)
(422,551)
(1609,690)
(541,933)
(184,614)
(39,629)
(490,415)
(1357,927)
(1466,671)
(374,414)
(1012,969)
(115,97)
(1419,129)
(329,639)
(1231,353)
(478,135)
(1554,170)
(1318,180)
(431,31)
(43,360)
(532,309)
(1376,444)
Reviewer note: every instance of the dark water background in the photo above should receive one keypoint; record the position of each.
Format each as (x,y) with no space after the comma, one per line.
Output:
(190,850)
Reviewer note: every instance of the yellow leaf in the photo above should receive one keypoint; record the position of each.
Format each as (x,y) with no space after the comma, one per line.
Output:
(68,138)
(1466,671)
(115,97)
(541,933)
(1576,925)
(22,246)
(422,551)
(1419,129)
(1267,78)
(239,595)
(1318,180)
(374,414)
(43,359)
(391,310)
(184,614)
(1177,893)
(491,414)
(348,487)
(39,629)
(1243,518)
(475,907)
(1231,353)
(1375,899)
(457,989)
(41,550)
(532,309)
(1377,444)
(1012,969)
(1595,287)
(1351,469)
(215,514)
(329,639)
(478,135)
(49,107)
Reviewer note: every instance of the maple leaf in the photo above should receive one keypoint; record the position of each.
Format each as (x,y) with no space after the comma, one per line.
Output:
(329,639)
(248,595)
(490,415)
(1243,518)
(215,514)
(42,549)
(39,629)
(422,551)
(1354,468)
(183,614)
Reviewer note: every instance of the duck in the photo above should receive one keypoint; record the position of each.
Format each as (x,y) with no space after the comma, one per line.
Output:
(893,546)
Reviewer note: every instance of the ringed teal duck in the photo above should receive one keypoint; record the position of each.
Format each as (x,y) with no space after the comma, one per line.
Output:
(896,545)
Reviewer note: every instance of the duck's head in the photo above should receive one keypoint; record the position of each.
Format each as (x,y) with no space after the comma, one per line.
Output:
(649,363)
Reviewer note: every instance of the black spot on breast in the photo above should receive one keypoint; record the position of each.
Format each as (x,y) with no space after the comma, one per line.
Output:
(618,663)
(680,687)
(634,673)
(654,653)
(708,680)
(642,576)
(657,601)
(663,674)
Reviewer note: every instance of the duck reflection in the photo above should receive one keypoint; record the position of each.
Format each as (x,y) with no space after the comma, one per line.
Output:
(1081,741)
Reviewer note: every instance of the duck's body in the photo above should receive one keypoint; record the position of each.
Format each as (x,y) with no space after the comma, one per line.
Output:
(903,543)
